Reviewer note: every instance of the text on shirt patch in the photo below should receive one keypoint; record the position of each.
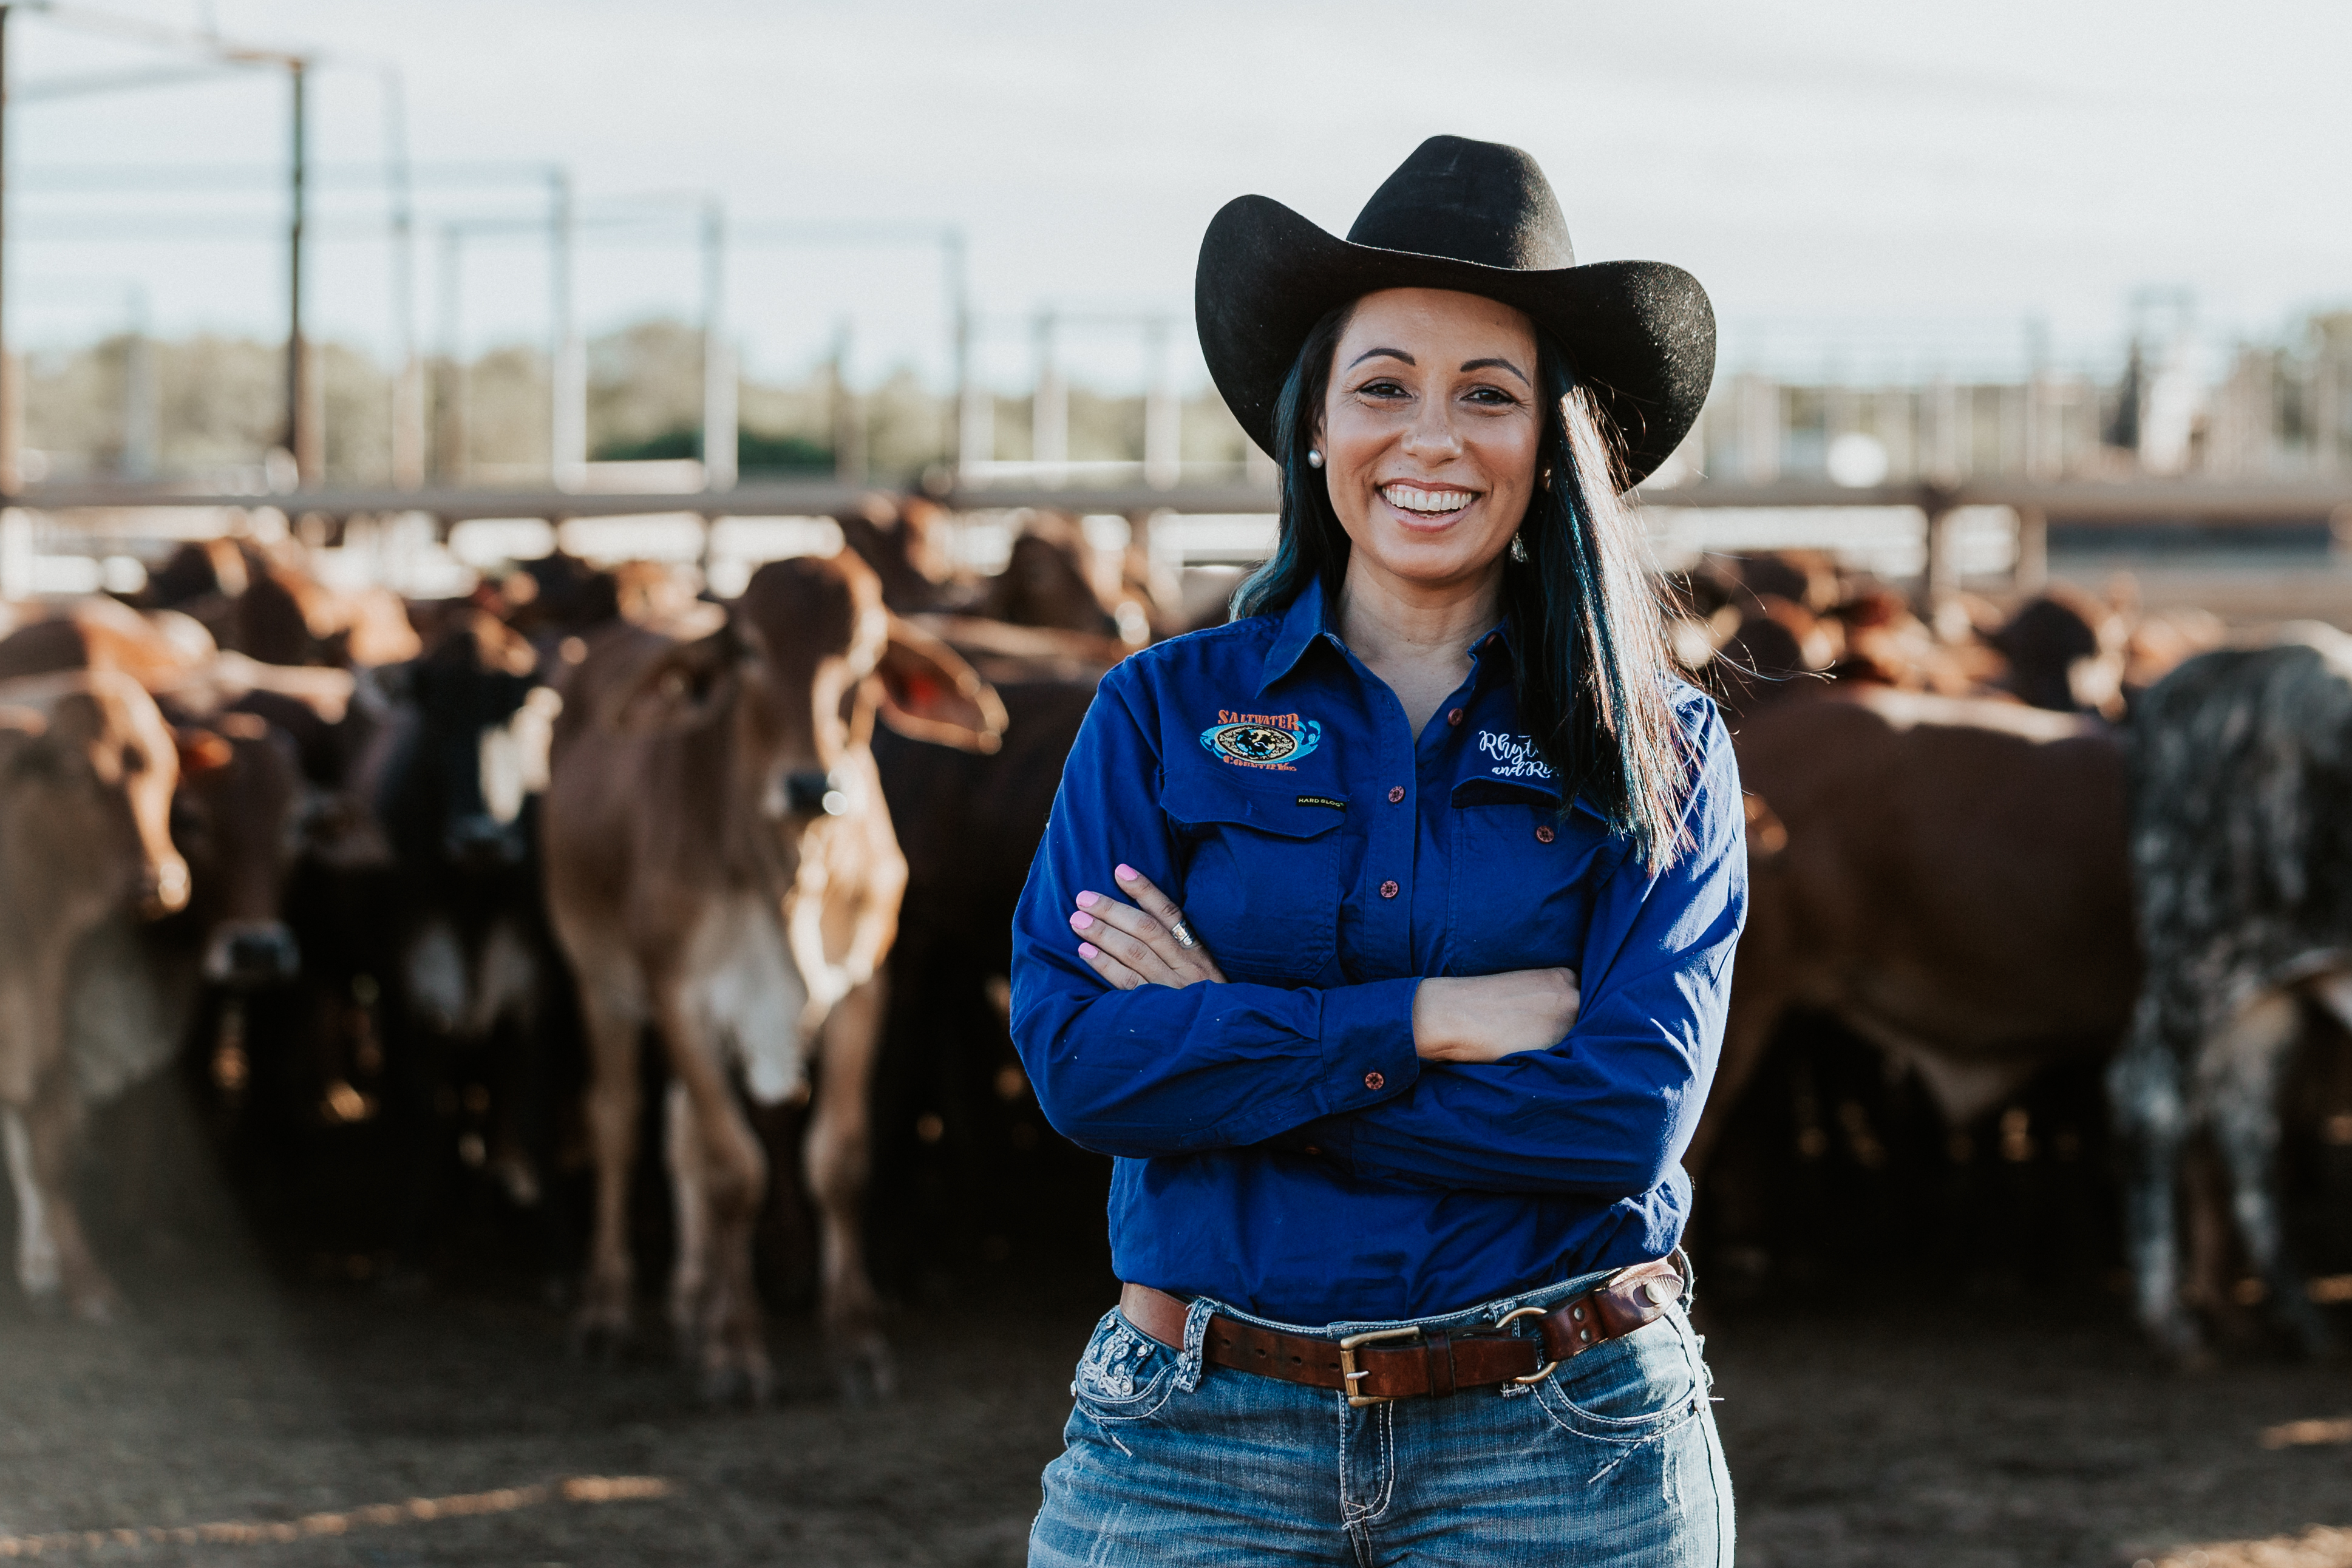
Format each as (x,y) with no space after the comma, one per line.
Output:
(1514,756)
(1275,740)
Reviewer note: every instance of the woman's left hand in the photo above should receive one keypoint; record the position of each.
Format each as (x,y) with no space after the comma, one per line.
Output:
(1131,946)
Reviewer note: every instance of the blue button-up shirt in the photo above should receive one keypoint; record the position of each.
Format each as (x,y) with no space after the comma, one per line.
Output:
(1277,1143)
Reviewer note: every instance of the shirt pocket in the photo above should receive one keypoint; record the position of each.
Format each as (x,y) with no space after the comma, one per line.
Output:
(1522,878)
(1261,875)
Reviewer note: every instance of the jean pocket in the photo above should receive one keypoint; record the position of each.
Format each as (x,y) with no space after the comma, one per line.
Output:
(1629,1389)
(1125,1374)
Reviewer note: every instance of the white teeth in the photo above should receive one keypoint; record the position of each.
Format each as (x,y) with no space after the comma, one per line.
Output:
(1412,499)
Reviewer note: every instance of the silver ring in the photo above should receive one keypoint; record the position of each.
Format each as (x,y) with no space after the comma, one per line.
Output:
(1183,934)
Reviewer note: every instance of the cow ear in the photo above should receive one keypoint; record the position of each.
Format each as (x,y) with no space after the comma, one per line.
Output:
(680,688)
(202,751)
(929,693)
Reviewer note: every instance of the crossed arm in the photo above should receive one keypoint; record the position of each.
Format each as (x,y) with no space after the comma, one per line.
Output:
(1480,1018)
(1530,1081)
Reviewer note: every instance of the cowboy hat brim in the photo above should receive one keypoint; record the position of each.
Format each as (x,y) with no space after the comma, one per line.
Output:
(1641,334)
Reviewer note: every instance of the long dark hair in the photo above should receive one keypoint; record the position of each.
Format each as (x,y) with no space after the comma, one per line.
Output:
(1592,663)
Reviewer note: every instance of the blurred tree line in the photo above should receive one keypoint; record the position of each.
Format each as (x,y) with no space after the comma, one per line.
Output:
(210,407)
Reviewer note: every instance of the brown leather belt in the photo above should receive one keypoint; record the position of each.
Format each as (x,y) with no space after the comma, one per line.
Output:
(1402,1364)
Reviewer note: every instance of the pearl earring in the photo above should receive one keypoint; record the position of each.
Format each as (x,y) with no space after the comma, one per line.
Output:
(1518,549)
(1314,458)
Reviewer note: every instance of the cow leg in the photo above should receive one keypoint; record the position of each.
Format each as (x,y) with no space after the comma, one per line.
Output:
(839,1159)
(733,1178)
(46,1132)
(2151,1122)
(2245,1117)
(37,1251)
(612,1024)
(689,1193)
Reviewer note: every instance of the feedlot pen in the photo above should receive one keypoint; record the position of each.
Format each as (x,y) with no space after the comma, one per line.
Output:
(1880,1405)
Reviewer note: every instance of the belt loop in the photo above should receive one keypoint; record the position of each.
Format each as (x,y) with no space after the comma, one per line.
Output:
(1196,1333)
(1438,1351)
(1680,1260)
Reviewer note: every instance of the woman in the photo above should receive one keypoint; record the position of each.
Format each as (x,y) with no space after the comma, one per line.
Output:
(1384,935)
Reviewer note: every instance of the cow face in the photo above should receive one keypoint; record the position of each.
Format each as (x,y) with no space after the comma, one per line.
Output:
(2066,652)
(807,661)
(813,630)
(94,771)
(475,750)
(829,660)
(237,819)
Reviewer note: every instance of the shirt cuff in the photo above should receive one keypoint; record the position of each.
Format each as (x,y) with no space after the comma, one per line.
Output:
(1367,1054)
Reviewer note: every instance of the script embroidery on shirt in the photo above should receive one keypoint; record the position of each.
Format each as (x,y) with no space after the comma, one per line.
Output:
(1514,756)
(1274,740)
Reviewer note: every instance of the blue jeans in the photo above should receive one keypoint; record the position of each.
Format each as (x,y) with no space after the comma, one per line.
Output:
(1613,1458)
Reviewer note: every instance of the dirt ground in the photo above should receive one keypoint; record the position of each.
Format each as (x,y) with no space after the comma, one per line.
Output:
(1919,1423)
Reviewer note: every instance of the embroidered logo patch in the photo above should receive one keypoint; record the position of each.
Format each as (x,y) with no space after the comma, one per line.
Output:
(1514,756)
(1276,740)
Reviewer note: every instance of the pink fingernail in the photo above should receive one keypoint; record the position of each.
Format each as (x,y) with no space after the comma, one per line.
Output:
(1086,949)
(1127,873)
(1080,922)
(1088,900)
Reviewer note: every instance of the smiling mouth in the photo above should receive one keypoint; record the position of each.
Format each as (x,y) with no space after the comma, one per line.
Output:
(1422,502)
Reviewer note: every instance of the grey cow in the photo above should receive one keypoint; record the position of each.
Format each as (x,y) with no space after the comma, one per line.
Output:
(2241,861)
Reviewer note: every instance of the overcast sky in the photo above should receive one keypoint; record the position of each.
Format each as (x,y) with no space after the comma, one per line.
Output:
(1856,180)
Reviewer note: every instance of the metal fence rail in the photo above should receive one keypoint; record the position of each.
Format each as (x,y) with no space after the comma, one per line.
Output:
(2135,503)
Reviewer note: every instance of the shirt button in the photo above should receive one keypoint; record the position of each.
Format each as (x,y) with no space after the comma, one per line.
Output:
(1396,794)
(1388,890)
(1374,1082)
(1543,834)
(1454,717)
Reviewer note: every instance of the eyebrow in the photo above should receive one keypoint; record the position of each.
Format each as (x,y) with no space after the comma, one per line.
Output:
(1505,364)
(1375,353)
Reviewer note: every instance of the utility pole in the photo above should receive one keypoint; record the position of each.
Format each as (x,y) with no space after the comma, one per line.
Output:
(718,389)
(408,374)
(449,455)
(141,437)
(301,415)
(975,405)
(568,357)
(1049,411)
(1163,413)
(957,439)
(12,415)
(848,418)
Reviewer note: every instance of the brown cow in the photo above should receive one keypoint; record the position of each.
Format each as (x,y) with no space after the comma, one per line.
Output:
(264,602)
(87,770)
(1045,582)
(721,864)
(901,540)
(1952,886)
(2066,652)
(241,802)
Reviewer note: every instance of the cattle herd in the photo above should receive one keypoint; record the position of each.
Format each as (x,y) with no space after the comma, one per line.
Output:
(587,862)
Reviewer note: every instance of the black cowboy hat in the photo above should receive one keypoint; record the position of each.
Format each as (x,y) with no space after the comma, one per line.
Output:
(1479,218)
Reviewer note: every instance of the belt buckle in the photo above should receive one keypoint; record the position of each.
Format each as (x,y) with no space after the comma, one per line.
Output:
(1348,1361)
(1507,1319)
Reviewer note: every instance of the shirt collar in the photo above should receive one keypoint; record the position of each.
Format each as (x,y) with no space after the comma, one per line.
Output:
(1305,620)
(1301,624)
